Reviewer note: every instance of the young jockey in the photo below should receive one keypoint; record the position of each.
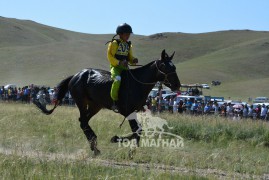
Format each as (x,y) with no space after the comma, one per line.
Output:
(119,54)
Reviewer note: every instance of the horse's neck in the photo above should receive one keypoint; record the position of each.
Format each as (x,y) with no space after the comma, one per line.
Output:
(145,76)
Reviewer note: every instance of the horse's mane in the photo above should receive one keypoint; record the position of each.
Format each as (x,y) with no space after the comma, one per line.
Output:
(104,76)
(143,67)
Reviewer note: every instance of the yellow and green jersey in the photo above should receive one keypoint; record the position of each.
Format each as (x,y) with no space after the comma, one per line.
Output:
(119,50)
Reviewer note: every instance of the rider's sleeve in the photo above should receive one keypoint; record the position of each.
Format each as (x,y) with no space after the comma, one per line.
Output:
(130,55)
(111,51)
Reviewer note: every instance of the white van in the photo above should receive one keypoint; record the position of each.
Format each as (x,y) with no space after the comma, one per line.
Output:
(191,98)
(154,92)
(6,87)
(261,100)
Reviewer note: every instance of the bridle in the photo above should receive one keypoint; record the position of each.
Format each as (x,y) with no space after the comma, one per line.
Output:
(166,81)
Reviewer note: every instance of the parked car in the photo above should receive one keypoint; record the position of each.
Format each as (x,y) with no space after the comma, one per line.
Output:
(256,104)
(169,95)
(154,92)
(205,86)
(216,83)
(261,100)
(191,98)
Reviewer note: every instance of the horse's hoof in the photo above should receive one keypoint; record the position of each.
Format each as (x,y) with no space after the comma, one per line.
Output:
(131,153)
(96,152)
(93,144)
(115,139)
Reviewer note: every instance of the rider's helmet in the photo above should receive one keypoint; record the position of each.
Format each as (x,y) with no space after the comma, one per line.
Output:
(124,28)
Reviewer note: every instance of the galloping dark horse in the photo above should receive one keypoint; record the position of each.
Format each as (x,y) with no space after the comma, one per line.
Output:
(90,89)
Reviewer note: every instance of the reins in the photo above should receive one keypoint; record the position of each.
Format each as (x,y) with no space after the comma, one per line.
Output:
(135,65)
(146,83)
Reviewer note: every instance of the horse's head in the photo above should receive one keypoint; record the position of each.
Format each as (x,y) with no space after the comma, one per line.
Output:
(167,71)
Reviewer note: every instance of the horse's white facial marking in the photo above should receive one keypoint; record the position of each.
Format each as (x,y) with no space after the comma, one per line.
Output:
(171,64)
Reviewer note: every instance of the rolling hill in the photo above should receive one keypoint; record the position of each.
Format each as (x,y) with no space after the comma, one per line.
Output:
(34,53)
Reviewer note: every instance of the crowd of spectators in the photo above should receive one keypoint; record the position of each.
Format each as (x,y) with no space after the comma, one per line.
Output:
(45,96)
(26,94)
(194,107)
(23,94)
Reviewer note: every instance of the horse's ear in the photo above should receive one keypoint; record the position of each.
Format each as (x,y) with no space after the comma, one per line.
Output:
(171,57)
(163,55)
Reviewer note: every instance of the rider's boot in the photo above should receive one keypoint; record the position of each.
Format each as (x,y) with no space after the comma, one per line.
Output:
(114,107)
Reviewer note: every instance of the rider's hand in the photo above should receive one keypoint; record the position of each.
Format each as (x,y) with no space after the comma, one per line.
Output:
(124,63)
(135,60)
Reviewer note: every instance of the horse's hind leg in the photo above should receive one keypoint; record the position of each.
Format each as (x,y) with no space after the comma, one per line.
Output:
(86,112)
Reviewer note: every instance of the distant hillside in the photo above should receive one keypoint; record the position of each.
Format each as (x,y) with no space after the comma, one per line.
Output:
(39,54)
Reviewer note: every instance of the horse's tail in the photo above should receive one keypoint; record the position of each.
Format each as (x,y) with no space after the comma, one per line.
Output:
(62,89)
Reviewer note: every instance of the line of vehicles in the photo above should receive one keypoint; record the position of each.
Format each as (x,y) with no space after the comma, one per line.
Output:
(194,93)
(184,95)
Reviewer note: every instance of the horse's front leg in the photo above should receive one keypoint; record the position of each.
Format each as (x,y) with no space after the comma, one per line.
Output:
(135,127)
(136,130)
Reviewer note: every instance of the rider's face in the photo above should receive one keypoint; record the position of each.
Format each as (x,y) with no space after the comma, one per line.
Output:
(125,36)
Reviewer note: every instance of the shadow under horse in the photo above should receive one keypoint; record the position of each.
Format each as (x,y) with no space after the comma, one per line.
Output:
(90,90)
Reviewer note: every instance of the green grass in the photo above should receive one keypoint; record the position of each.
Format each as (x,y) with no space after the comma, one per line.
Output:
(220,130)
(37,146)
(13,167)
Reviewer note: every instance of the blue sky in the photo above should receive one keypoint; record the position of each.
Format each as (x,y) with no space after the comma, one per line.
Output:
(145,16)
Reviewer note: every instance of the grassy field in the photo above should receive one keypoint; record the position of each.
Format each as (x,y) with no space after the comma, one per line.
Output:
(36,146)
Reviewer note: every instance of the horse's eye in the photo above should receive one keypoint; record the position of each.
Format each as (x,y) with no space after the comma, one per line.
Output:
(162,66)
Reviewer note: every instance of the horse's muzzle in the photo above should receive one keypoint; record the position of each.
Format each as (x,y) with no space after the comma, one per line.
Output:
(176,87)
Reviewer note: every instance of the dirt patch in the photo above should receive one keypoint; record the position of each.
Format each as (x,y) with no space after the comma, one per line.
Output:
(83,155)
